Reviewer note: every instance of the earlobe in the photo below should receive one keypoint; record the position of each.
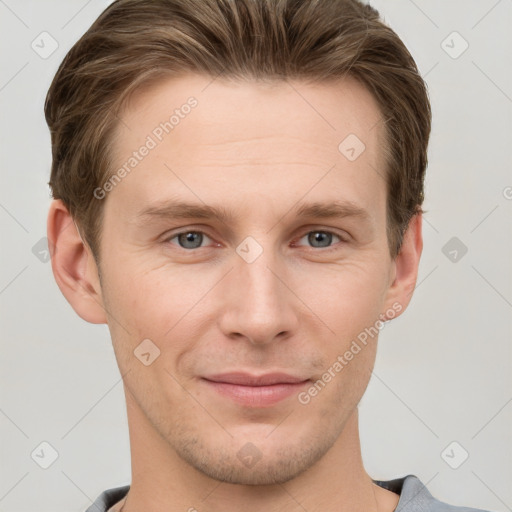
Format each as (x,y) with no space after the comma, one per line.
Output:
(73,265)
(406,264)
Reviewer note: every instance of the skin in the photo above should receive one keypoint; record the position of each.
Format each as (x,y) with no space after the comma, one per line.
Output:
(258,150)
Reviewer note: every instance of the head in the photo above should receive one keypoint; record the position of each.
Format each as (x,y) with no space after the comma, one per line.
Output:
(245,181)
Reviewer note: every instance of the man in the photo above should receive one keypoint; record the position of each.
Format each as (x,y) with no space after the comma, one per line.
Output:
(237,194)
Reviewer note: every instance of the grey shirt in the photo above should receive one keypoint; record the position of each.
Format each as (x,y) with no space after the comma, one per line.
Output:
(414,497)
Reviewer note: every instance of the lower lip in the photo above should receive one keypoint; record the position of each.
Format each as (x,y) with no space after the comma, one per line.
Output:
(256,396)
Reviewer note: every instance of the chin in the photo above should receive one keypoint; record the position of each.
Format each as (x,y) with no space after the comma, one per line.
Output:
(249,466)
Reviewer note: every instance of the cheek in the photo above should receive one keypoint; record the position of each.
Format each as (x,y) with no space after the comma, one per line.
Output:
(161,304)
(349,295)
(147,296)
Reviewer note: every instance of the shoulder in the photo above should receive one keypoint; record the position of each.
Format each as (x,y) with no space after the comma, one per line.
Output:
(108,498)
(415,497)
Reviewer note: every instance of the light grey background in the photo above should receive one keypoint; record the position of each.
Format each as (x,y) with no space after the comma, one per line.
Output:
(443,370)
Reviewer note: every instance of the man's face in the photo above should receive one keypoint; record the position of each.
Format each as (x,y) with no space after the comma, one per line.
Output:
(261,291)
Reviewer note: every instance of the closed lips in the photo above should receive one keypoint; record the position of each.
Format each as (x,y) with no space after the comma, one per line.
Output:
(245,379)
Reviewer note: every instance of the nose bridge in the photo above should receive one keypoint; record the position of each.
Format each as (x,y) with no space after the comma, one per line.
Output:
(259,305)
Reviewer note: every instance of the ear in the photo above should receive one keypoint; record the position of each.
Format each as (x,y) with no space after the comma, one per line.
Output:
(405,266)
(73,265)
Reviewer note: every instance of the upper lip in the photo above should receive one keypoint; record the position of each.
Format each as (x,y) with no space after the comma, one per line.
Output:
(246,379)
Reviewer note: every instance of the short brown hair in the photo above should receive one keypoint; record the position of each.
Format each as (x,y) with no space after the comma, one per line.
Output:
(134,42)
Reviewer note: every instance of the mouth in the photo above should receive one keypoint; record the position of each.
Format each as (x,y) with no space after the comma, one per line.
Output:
(255,391)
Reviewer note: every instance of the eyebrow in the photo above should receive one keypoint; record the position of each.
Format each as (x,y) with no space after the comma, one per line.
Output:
(183,210)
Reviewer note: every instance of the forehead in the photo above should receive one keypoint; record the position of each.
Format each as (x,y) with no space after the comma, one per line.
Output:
(330,108)
(251,136)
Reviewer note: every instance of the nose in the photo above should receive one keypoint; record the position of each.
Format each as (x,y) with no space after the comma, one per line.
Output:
(257,302)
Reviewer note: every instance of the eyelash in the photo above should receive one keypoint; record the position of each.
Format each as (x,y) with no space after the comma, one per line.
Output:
(323,249)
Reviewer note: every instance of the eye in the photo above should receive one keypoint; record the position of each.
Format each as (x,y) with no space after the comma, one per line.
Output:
(189,239)
(321,239)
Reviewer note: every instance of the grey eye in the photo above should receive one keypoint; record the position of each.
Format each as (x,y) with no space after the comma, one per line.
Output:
(189,239)
(323,238)
(320,239)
